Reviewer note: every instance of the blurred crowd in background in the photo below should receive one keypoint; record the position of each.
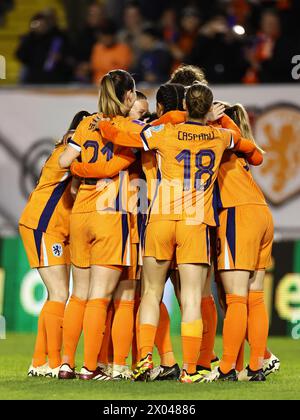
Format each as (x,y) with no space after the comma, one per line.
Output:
(234,41)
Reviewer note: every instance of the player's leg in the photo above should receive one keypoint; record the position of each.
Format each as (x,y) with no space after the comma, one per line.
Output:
(103,282)
(193,258)
(159,251)
(73,320)
(154,277)
(235,324)
(236,259)
(54,273)
(236,285)
(105,357)
(134,348)
(122,327)
(193,279)
(168,369)
(258,322)
(56,280)
(258,328)
(210,320)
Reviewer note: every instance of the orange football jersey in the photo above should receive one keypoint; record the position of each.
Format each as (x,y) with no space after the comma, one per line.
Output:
(50,204)
(188,158)
(95,149)
(236,185)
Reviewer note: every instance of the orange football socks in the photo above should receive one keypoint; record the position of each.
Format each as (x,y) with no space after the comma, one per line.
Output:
(73,323)
(240,358)
(93,328)
(210,321)
(122,330)
(40,349)
(163,338)
(258,328)
(104,355)
(234,331)
(134,348)
(268,354)
(191,336)
(147,333)
(53,315)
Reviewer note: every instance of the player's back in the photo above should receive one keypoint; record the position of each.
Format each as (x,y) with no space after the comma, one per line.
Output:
(188,158)
(50,204)
(236,184)
(94,148)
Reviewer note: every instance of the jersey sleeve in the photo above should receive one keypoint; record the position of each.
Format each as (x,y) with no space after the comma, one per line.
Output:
(229,124)
(152,136)
(172,117)
(247,147)
(231,138)
(99,170)
(146,137)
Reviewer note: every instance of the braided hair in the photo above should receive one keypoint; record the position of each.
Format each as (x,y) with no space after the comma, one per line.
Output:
(171,97)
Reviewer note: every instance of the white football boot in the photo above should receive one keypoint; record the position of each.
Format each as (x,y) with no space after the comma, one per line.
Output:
(120,372)
(34,372)
(271,365)
(52,373)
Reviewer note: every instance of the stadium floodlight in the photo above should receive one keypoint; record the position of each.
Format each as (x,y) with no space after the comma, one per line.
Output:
(239,30)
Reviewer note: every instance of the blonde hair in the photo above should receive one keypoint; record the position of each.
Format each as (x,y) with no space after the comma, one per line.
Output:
(240,116)
(113,88)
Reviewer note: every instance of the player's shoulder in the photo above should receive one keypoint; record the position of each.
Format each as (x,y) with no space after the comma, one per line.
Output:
(86,122)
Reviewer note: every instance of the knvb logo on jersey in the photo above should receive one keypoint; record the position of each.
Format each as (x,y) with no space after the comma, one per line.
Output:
(277,130)
(2,67)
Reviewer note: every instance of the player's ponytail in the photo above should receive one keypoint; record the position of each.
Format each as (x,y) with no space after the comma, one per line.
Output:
(170,97)
(240,116)
(199,100)
(113,88)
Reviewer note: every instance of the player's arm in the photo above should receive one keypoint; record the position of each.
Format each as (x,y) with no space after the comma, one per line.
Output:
(172,117)
(238,144)
(144,137)
(253,155)
(110,169)
(75,187)
(73,149)
(229,124)
(68,156)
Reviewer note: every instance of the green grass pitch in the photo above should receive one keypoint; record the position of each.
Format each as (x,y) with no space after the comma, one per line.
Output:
(15,355)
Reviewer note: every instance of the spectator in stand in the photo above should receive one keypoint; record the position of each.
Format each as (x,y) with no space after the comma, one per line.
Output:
(5,6)
(109,54)
(219,51)
(43,53)
(270,55)
(95,22)
(189,31)
(133,25)
(169,27)
(155,62)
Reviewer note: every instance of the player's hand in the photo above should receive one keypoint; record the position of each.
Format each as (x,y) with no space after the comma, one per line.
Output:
(94,126)
(217,112)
